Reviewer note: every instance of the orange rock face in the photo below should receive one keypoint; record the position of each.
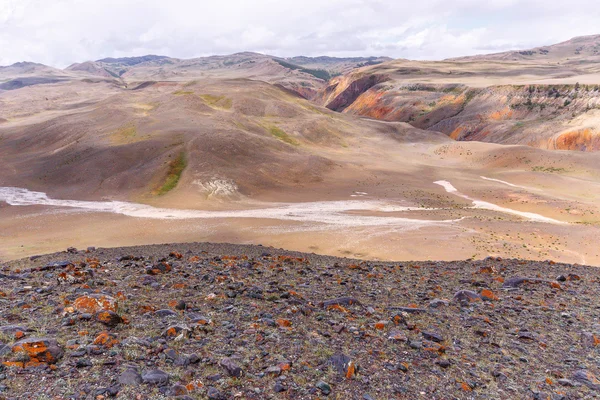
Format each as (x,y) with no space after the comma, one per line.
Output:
(581,140)
(95,303)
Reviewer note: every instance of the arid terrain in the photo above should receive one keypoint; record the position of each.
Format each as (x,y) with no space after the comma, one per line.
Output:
(209,321)
(482,174)
(242,149)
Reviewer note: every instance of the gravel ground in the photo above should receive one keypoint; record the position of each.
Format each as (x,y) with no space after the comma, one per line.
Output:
(219,321)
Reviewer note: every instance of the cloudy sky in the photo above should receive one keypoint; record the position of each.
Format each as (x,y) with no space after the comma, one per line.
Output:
(61,32)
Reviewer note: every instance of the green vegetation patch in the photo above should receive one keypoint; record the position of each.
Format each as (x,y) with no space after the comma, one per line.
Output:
(547,169)
(126,134)
(216,101)
(176,168)
(317,73)
(183,93)
(281,135)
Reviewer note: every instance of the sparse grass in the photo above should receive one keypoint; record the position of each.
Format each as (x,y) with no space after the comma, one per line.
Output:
(216,101)
(183,93)
(176,168)
(284,137)
(126,134)
(547,169)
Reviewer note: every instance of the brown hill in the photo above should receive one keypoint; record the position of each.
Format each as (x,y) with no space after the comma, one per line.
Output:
(549,102)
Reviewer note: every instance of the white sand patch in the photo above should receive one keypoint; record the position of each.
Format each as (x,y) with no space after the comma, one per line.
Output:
(504,182)
(217,187)
(326,212)
(493,207)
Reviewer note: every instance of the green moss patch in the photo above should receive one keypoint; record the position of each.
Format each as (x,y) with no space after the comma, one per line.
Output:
(284,137)
(176,168)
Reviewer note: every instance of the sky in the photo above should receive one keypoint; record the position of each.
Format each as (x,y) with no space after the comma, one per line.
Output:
(62,32)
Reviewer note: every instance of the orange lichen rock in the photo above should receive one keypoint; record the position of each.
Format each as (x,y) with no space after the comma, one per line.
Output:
(35,351)
(487,294)
(95,303)
(351,370)
(284,323)
(380,325)
(106,339)
(109,318)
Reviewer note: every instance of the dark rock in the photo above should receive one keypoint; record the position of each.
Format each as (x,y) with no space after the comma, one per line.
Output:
(566,382)
(587,378)
(156,377)
(434,336)
(214,394)
(109,318)
(436,303)
(177,390)
(397,335)
(408,310)
(130,377)
(515,282)
(341,301)
(278,388)
(466,296)
(165,313)
(232,368)
(323,387)
(83,363)
(176,330)
(341,363)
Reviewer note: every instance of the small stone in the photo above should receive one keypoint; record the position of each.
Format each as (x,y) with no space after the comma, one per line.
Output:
(342,364)
(160,268)
(323,387)
(83,363)
(566,382)
(177,390)
(214,394)
(176,330)
(436,303)
(466,296)
(397,336)
(278,388)
(561,278)
(165,313)
(433,336)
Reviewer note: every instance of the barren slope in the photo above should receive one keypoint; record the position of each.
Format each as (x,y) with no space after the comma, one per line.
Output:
(543,99)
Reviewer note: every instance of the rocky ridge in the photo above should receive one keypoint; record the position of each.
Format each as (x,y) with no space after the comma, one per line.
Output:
(197,321)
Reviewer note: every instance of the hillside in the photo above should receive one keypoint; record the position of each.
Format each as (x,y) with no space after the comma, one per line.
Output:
(546,100)
(226,149)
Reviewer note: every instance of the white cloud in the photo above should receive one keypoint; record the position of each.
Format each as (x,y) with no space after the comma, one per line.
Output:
(60,32)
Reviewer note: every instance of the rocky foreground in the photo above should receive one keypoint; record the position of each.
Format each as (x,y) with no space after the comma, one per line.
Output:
(208,321)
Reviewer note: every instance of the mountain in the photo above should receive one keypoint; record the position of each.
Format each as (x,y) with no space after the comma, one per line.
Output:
(582,48)
(230,148)
(545,97)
